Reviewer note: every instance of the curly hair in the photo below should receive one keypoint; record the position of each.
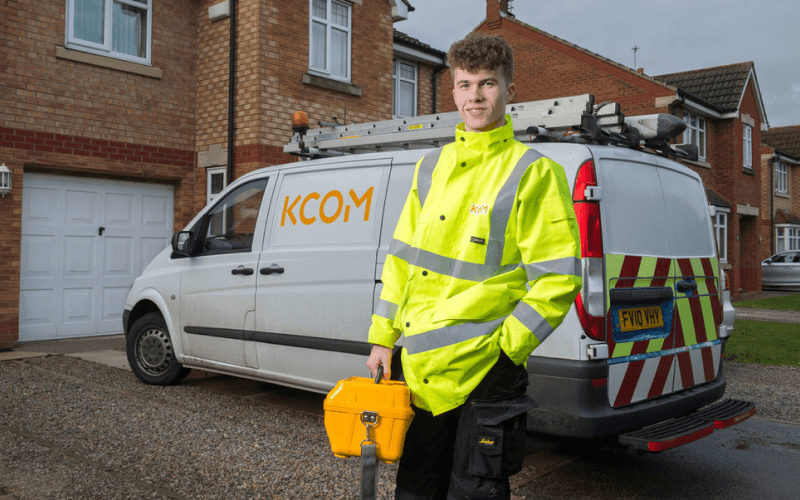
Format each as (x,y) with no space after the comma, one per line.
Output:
(480,51)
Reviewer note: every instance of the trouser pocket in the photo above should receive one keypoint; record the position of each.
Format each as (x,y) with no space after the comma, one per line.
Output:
(497,436)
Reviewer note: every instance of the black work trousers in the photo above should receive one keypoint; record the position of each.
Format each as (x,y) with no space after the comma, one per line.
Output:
(469,453)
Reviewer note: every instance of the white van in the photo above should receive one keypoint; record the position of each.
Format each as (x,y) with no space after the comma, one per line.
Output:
(276,280)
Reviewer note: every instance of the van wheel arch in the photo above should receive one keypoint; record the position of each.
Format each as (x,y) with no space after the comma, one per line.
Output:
(150,351)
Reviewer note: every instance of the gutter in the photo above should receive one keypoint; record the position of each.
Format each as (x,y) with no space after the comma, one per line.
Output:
(231,95)
(693,103)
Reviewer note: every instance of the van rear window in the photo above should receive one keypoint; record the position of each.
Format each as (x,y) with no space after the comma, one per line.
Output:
(653,211)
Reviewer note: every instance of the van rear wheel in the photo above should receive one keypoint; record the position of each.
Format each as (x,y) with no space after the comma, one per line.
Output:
(150,352)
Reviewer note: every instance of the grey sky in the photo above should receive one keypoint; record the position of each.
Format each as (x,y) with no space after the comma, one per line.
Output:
(679,35)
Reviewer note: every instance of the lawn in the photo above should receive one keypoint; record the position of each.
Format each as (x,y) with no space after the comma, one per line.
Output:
(782,303)
(764,342)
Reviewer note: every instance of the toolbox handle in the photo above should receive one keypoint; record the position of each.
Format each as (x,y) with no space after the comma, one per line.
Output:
(380,374)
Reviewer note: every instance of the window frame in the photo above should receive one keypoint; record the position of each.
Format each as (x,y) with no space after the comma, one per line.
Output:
(210,172)
(225,216)
(720,223)
(106,48)
(697,130)
(781,177)
(396,80)
(329,27)
(789,240)
(747,143)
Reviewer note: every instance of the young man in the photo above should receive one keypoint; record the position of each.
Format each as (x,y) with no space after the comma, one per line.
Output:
(484,265)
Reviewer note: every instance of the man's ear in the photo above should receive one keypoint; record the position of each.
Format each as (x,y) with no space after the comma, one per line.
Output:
(512,91)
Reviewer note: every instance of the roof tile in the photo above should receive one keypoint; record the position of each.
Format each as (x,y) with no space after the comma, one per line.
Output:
(721,86)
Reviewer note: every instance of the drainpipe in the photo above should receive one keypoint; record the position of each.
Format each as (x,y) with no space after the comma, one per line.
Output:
(231,97)
(436,72)
(772,205)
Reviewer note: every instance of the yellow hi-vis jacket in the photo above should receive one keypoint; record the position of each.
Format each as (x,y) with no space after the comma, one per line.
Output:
(485,256)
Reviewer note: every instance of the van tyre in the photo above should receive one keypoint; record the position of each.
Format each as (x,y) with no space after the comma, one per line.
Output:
(150,352)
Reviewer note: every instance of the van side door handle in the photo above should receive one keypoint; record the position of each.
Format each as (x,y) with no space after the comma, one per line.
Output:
(686,285)
(244,271)
(273,269)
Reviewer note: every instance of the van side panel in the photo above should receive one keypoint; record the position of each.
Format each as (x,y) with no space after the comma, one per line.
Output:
(316,277)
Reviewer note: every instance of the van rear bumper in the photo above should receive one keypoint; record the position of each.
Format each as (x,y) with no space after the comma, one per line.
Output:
(570,405)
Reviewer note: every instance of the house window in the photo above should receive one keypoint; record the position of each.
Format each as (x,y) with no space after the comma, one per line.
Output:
(747,136)
(116,28)
(720,221)
(329,44)
(695,133)
(215,182)
(405,89)
(781,178)
(787,237)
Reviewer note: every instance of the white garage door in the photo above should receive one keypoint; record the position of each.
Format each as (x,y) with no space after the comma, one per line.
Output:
(83,243)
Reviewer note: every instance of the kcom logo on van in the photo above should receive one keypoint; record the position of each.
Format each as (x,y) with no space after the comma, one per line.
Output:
(327,208)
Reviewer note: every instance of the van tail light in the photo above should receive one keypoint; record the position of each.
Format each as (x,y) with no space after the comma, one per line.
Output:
(590,302)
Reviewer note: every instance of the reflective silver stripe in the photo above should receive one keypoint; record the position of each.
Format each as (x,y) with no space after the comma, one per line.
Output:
(386,309)
(532,320)
(401,250)
(570,266)
(445,265)
(425,174)
(503,205)
(449,335)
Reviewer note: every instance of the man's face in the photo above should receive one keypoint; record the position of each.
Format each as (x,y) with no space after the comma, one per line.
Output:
(481,98)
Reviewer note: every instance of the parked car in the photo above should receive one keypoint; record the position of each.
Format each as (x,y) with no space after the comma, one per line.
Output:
(781,270)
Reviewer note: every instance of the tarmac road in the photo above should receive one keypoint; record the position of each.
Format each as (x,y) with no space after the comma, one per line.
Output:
(757,459)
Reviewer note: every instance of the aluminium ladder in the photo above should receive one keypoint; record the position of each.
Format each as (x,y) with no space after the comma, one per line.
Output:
(548,119)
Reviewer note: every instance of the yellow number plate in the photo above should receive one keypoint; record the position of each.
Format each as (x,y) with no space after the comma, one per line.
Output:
(640,318)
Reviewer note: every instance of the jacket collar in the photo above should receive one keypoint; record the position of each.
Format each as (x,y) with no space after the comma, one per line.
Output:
(484,141)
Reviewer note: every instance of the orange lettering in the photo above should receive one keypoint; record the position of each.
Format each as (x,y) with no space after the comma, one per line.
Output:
(358,201)
(307,220)
(287,209)
(340,198)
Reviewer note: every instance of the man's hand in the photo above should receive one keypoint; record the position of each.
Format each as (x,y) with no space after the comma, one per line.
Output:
(380,356)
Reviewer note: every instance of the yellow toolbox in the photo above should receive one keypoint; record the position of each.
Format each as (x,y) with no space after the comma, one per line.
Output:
(360,410)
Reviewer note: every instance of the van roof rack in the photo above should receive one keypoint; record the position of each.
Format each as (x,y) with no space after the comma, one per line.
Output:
(574,118)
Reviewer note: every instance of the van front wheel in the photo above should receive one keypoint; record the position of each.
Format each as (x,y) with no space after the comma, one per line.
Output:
(150,352)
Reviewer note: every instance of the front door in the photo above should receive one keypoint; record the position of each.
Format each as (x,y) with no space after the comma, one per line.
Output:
(218,283)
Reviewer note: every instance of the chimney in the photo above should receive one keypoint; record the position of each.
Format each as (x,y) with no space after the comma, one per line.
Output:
(494,10)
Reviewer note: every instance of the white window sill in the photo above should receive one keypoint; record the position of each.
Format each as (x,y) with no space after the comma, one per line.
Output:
(107,62)
(698,163)
(330,84)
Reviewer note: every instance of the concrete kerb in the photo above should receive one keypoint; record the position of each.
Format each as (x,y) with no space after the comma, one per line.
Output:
(108,350)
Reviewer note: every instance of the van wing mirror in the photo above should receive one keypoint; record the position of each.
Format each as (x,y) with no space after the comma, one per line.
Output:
(183,243)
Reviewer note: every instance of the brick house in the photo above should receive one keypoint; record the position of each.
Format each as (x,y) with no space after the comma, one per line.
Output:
(780,190)
(115,128)
(722,106)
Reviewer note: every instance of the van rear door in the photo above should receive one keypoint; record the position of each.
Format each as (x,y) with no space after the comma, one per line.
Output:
(656,233)
(639,278)
(698,308)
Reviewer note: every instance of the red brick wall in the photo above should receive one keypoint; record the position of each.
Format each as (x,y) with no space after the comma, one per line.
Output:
(272,56)
(74,118)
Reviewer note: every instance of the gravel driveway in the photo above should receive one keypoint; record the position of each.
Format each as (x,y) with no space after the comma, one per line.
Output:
(73,429)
